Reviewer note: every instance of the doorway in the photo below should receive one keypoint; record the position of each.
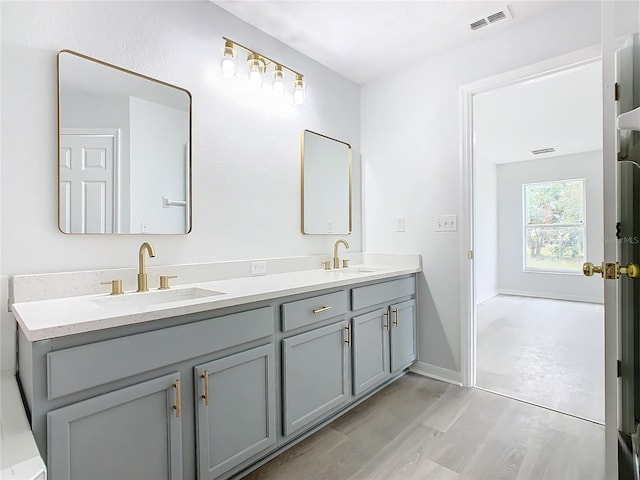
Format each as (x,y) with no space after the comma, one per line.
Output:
(536,172)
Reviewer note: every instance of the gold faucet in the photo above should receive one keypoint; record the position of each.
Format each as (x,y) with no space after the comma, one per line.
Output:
(336,260)
(142,271)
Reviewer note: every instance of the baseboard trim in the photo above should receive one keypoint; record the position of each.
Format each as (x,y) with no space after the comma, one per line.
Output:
(437,373)
(552,295)
(492,294)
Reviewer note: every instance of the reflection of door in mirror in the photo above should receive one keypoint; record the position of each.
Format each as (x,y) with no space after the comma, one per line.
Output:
(326,185)
(125,160)
(88,181)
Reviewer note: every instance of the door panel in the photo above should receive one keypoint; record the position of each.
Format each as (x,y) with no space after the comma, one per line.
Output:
(314,375)
(239,420)
(403,338)
(370,349)
(129,433)
(88,183)
(629,190)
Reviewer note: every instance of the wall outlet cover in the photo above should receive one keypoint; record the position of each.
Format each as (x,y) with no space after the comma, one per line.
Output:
(258,268)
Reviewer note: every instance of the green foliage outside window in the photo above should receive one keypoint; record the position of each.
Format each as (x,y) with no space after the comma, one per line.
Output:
(554,225)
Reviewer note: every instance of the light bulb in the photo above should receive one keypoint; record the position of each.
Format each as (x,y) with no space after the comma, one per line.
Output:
(278,81)
(256,69)
(228,62)
(298,90)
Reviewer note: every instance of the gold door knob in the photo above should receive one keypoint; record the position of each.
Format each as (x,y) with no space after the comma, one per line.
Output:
(632,270)
(611,271)
(589,269)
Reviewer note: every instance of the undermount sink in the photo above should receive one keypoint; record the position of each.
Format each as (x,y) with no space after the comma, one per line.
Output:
(357,270)
(156,297)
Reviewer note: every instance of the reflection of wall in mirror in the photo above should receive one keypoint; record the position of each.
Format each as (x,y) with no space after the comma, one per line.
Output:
(326,185)
(150,122)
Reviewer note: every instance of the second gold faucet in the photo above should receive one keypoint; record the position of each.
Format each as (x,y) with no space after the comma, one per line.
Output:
(142,270)
(336,259)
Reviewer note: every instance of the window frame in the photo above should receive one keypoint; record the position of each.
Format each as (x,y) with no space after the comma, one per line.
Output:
(526,226)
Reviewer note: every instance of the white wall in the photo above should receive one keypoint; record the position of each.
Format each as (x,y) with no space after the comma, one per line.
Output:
(411,161)
(485,252)
(511,177)
(149,122)
(246,165)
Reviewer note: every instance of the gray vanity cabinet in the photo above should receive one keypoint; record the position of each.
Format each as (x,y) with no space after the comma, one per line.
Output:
(134,432)
(384,339)
(236,410)
(315,375)
(402,333)
(370,350)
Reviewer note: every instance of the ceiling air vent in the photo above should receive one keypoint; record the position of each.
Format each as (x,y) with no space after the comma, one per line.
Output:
(491,19)
(543,150)
(478,24)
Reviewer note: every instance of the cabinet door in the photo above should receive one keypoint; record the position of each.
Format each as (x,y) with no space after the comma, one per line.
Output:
(403,337)
(134,432)
(236,410)
(314,375)
(370,349)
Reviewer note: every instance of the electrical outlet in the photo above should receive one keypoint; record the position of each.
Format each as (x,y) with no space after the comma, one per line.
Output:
(258,268)
(400,224)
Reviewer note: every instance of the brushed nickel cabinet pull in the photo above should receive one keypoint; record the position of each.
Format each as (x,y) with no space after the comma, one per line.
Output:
(386,320)
(395,321)
(322,309)
(348,340)
(176,407)
(205,376)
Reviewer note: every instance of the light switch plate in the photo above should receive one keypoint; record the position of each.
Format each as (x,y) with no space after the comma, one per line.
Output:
(400,224)
(446,223)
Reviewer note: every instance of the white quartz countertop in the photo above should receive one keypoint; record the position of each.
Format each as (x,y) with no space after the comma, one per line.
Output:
(45,319)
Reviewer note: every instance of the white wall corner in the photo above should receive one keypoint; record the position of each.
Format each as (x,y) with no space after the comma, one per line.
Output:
(437,373)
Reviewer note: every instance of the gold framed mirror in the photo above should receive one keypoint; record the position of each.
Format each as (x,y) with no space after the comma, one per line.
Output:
(124,164)
(326,185)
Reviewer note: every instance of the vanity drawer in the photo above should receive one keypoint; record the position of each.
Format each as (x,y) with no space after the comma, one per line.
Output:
(87,366)
(310,310)
(379,293)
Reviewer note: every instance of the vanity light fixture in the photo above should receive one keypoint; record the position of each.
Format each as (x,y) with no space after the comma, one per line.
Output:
(258,64)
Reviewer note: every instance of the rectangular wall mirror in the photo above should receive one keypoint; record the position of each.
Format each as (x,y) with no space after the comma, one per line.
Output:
(124,150)
(326,185)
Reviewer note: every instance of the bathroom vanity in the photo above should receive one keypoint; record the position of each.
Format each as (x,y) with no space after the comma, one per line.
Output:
(191,385)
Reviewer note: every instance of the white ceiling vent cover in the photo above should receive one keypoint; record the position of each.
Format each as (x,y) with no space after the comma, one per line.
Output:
(491,19)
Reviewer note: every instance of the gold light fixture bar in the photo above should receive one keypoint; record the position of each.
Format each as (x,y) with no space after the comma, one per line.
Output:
(268,60)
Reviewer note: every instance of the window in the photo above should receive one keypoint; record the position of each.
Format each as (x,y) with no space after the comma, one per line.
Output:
(554,231)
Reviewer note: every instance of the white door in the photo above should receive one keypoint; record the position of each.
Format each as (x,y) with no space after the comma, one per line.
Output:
(87,183)
(620,230)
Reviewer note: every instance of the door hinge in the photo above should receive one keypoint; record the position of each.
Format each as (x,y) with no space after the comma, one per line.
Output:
(616,91)
(619,369)
(618,230)
(470,254)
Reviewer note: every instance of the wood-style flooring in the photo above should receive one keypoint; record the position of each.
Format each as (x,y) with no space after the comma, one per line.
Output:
(418,428)
(548,352)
